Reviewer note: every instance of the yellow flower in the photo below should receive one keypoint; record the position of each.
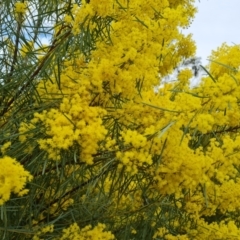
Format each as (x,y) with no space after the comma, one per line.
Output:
(20,7)
(13,178)
(88,232)
(5,146)
(184,76)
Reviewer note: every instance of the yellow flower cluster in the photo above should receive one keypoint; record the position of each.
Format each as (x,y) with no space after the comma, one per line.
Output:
(164,233)
(121,64)
(180,167)
(223,230)
(138,51)
(222,88)
(75,122)
(203,122)
(13,178)
(225,60)
(133,159)
(215,231)
(80,124)
(184,76)
(125,67)
(5,147)
(138,155)
(20,7)
(74,232)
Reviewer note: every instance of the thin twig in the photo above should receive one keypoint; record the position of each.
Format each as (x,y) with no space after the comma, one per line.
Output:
(35,73)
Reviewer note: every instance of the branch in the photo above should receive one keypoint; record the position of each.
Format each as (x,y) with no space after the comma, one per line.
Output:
(55,44)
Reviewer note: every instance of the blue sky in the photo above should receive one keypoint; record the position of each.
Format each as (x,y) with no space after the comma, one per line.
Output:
(217,21)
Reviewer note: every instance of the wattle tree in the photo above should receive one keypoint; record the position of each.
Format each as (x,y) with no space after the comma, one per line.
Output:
(91,147)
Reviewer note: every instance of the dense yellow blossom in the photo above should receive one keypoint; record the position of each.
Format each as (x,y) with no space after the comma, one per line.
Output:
(13,178)
(184,76)
(5,147)
(164,233)
(223,230)
(225,60)
(20,7)
(76,233)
